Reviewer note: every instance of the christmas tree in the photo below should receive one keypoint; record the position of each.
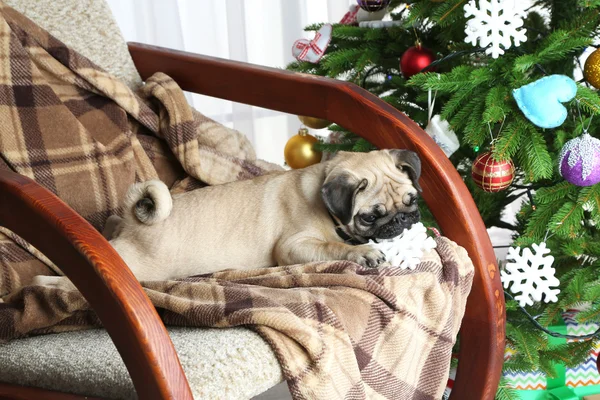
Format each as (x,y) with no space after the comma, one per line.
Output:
(473,83)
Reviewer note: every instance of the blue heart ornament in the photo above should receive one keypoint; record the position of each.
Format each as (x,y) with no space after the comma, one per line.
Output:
(541,100)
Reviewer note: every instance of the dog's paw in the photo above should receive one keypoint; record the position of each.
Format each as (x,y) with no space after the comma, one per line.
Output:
(367,256)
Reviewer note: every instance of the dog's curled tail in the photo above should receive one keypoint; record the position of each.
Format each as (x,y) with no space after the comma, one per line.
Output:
(149,202)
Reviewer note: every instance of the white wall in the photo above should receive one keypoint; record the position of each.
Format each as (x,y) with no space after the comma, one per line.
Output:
(255,31)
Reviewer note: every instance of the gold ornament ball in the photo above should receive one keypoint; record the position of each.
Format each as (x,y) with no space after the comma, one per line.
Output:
(299,151)
(591,70)
(315,123)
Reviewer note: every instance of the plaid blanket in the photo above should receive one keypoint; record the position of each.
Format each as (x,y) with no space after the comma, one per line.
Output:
(87,137)
(339,331)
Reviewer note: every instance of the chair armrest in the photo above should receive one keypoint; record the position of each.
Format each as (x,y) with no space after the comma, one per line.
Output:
(82,253)
(482,332)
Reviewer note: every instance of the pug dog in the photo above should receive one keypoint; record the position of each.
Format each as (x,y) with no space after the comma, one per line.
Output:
(328,211)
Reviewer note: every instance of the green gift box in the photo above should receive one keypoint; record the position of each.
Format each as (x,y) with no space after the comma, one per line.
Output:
(577,383)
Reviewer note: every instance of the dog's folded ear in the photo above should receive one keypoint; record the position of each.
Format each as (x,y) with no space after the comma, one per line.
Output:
(338,194)
(410,162)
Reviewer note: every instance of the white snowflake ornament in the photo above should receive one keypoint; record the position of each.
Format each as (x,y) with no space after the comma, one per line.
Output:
(495,22)
(532,275)
(407,249)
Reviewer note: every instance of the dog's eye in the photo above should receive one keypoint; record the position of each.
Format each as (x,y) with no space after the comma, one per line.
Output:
(368,218)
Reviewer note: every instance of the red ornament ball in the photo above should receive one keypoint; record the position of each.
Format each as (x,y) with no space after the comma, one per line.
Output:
(373,5)
(491,175)
(415,59)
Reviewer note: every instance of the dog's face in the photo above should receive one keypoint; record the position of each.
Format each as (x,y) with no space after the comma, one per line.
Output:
(373,194)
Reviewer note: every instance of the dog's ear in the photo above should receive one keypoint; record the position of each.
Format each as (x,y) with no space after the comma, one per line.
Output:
(338,194)
(409,162)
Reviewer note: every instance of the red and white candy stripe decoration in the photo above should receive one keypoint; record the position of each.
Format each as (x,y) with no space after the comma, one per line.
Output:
(491,175)
(350,17)
(313,50)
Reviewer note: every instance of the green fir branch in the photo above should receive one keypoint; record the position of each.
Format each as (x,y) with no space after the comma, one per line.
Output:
(539,222)
(506,391)
(558,192)
(551,314)
(589,316)
(574,289)
(567,220)
(588,99)
(539,160)
(588,3)
(526,345)
(510,140)
(556,46)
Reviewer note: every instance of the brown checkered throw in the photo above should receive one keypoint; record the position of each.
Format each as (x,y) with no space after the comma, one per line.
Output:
(339,331)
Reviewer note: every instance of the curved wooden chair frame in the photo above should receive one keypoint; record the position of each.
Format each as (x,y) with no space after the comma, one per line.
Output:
(132,322)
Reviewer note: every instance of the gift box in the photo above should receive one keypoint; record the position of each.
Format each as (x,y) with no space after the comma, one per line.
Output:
(576,383)
(579,383)
(585,374)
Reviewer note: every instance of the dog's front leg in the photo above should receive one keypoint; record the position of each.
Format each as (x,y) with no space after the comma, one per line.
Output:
(300,250)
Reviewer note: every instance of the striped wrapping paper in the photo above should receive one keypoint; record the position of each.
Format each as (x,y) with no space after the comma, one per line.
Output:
(582,378)
(584,374)
(524,380)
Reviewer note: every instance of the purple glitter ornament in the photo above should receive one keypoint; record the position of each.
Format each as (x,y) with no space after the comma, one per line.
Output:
(373,5)
(579,161)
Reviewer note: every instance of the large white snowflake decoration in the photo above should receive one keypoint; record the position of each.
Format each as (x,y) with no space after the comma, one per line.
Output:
(407,249)
(495,22)
(532,275)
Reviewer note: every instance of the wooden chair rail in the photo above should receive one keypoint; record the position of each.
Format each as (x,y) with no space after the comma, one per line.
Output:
(16,392)
(482,333)
(91,263)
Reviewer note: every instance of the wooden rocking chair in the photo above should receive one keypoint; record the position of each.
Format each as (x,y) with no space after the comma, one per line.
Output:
(138,333)
(133,324)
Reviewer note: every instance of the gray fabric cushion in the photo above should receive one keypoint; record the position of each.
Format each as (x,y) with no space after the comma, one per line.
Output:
(234,363)
(88,27)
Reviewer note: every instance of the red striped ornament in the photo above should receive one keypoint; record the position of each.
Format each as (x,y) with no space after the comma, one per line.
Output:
(491,175)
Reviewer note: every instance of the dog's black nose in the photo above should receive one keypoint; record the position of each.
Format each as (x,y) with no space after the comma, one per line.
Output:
(407,219)
(400,218)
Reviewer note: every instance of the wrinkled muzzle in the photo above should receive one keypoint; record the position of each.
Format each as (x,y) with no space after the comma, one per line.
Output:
(397,225)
